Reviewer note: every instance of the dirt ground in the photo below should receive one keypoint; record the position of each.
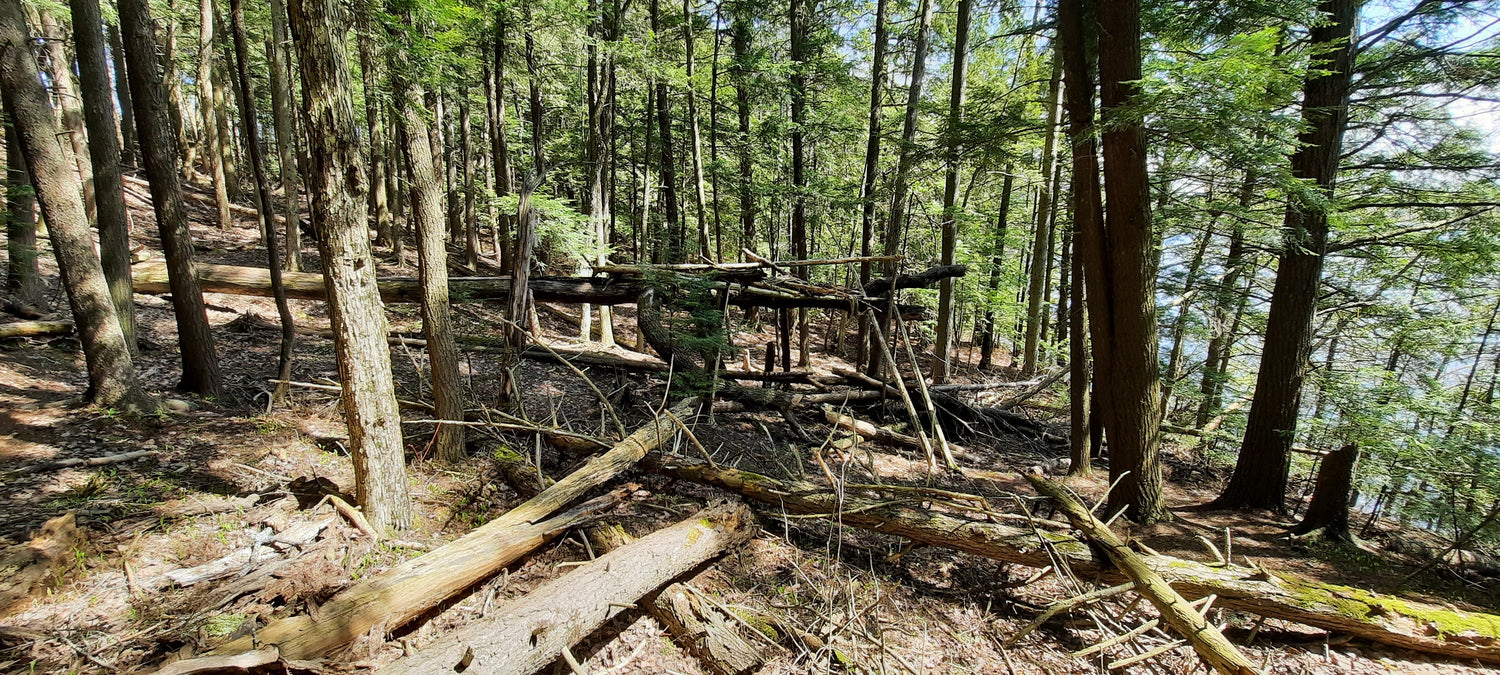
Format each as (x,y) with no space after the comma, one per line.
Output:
(231,475)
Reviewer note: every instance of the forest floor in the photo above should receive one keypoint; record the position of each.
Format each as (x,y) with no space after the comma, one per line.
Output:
(225,474)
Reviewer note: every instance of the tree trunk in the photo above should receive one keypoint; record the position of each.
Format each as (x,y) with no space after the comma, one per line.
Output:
(741,36)
(798,16)
(279,63)
(1122,296)
(23,271)
(533,631)
(369,68)
(112,380)
(872,169)
(1260,474)
(700,199)
(997,268)
(128,146)
(675,246)
(1077,40)
(945,332)
(432,266)
(228,144)
(1329,510)
(148,89)
(1041,248)
(104,154)
(1179,326)
(263,189)
(207,105)
(896,224)
(336,184)
(505,179)
(60,73)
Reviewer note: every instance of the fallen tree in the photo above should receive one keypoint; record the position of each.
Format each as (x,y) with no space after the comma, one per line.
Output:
(17,329)
(1175,611)
(533,631)
(394,598)
(1255,590)
(151,278)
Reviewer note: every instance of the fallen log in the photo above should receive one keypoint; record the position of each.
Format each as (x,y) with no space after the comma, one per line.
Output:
(414,587)
(872,432)
(26,568)
(1400,623)
(533,631)
(17,329)
(923,279)
(151,278)
(79,461)
(1175,611)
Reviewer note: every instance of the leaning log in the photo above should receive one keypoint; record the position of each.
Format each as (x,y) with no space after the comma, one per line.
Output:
(1400,623)
(411,589)
(533,631)
(1211,645)
(17,329)
(151,278)
(883,435)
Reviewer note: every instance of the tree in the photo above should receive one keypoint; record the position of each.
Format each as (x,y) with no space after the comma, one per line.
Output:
(675,239)
(112,380)
(369,68)
(1120,268)
(278,62)
(944,347)
(1260,474)
(60,74)
(104,155)
(208,104)
(432,263)
(1041,251)
(23,271)
(159,153)
(337,185)
(128,147)
(1077,42)
(871,167)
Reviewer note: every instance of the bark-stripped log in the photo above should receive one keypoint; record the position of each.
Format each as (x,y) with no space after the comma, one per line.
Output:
(1371,616)
(533,631)
(151,278)
(17,329)
(409,590)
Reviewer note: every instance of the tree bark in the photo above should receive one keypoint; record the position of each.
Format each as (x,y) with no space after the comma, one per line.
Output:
(279,63)
(945,329)
(672,217)
(1041,248)
(700,199)
(1077,40)
(533,631)
(263,189)
(432,266)
(466,147)
(337,186)
(23,270)
(159,152)
(1123,310)
(60,71)
(869,179)
(1260,474)
(208,103)
(997,268)
(104,155)
(128,147)
(505,179)
(1329,510)
(742,35)
(369,68)
(112,379)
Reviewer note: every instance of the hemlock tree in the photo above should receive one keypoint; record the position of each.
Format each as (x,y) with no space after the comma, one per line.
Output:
(1120,270)
(104,154)
(112,380)
(159,153)
(23,270)
(1260,474)
(337,186)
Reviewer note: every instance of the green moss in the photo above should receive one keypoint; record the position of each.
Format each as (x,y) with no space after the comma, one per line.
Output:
(223,624)
(759,623)
(1362,605)
(505,454)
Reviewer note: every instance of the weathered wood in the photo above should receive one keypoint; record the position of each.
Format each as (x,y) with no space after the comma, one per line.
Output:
(411,589)
(1175,611)
(79,461)
(704,631)
(150,278)
(1371,616)
(533,631)
(874,433)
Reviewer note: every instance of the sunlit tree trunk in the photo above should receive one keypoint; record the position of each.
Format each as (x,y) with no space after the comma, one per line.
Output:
(128,146)
(944,346)
(336,184)
(70,104)
(278,59)
(369,67)
(1041,249)
(104,155)
(208,106)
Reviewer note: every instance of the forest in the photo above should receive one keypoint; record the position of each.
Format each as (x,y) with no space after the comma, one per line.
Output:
(871,336)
